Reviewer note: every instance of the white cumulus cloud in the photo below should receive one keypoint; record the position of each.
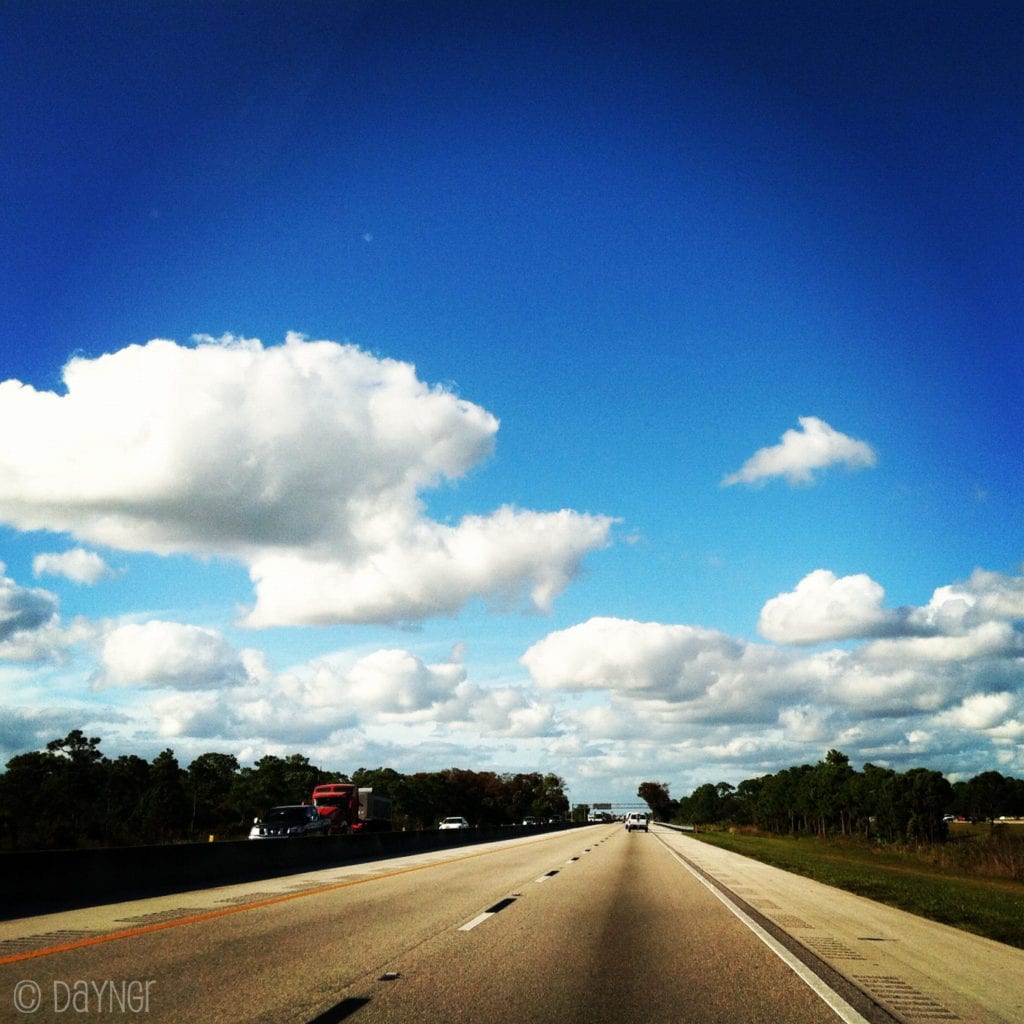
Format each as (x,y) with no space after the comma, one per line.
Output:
(985,596)
(815,446)
(711,698)
(397,683)
(210,690)
(624,655)
(168,654)
(509,557)
(305,461)
(78,565)
(824,607)
(980,711)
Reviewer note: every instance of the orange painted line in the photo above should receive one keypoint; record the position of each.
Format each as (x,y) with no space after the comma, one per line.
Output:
(130,933)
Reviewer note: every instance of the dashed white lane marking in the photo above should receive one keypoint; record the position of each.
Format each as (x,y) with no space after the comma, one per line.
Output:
(829,996)
(489,912)
(479,919)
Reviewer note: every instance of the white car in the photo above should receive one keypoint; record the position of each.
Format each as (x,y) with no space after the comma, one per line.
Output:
(454,823)
(636,820)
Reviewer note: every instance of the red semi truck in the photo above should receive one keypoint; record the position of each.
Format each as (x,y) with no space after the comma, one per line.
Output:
(351,809)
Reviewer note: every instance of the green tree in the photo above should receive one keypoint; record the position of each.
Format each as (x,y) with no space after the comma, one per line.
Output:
(552,799)
(783,801)
(31,781)
(827,793)
(705,805)
(1015,798)
(210,778)
(465,790)
(384,781)
(879,802)
(77,748)
(745,800)
(525,795)
(987,794)
(927,794)
(165,813)
(273,781)
(726,801)
(127,785)
(81,779)
(656,796)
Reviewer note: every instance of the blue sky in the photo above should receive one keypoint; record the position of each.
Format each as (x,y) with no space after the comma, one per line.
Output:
(630,391)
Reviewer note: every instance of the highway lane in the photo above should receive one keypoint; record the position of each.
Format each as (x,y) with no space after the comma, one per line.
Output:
(278,950)
(586,925)
(619,936)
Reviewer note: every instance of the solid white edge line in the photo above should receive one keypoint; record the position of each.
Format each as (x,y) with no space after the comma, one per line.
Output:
(827,995)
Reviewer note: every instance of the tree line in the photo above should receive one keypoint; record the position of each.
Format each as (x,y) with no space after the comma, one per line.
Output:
(833,798)
(71,794)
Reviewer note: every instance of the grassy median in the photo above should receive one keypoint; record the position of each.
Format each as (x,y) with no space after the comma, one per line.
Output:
(923,881)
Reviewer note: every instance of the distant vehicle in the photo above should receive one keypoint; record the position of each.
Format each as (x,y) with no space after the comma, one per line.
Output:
(530,820)
(456,822)
(596,818)
(289,821)
(636,820)
(347,808)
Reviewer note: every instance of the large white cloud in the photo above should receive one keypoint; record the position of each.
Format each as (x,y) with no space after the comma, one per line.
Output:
(623,655)
(988,639)
(230,446)
(189,683)
(426,568)
(909,690)
(985,596)
(168,654)
(980,711)
(393,686)
(960,620)
(306,461)
(826,608)
(397,684)
(78,565)
(816,445)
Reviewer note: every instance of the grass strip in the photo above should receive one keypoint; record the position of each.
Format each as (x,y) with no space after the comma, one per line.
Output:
(989,907)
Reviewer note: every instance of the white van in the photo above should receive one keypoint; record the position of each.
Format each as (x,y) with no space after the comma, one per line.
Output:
(636,819)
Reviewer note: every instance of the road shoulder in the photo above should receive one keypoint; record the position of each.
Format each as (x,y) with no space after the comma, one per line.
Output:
(918,970)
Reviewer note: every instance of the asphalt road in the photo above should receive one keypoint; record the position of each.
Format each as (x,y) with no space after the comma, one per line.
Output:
(587,925)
